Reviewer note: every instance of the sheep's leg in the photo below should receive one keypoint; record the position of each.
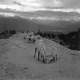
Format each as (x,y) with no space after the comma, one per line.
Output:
(35,52)
(38,55)
(56,57)
(41,57)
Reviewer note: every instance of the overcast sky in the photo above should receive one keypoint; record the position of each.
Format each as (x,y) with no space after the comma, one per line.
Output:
(27,5)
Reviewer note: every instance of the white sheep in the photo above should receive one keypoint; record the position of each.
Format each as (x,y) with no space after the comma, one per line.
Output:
(44,53)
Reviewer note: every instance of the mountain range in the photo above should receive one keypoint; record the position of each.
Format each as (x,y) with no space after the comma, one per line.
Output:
(63,21)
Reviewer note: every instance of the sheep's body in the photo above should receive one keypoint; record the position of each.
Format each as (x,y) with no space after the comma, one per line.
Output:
(30,37)
(44,53)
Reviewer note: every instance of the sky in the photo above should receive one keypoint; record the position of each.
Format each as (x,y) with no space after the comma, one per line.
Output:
(40,5)
(34,5)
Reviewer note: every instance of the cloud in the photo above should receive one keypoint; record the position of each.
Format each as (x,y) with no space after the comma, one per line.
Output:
(6,1)
(71,3)
(21,5)
(41,5)
(53,3)
(12,7)
(9,14)
(45,3)
(30,3)
(57,3)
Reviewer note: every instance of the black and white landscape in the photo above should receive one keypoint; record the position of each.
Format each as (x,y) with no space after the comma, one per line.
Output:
(40,40)
(16,55)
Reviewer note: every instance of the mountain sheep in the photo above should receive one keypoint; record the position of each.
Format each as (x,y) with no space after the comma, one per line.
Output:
(43,53)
